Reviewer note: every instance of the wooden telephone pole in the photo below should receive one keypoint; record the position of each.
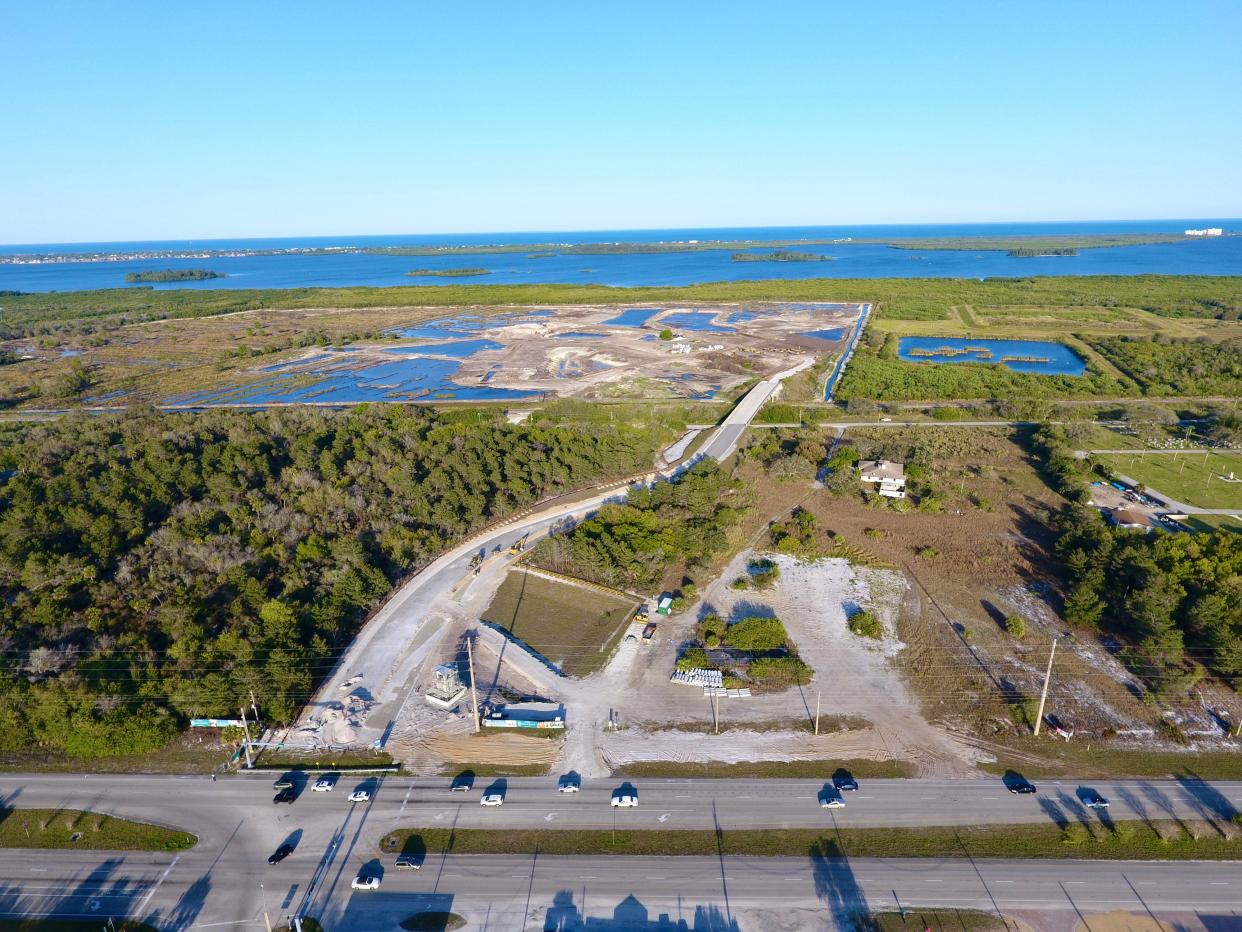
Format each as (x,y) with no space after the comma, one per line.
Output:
(1043,696)
(474,696)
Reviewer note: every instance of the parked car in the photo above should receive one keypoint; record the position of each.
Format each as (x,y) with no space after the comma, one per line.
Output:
(280,853)
(368,882)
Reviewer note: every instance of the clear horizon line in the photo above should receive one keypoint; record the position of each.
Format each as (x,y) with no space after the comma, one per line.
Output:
(630,230)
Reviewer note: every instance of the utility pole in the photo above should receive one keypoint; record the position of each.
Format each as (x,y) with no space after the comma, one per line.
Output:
(255,709)
(246,739)
(474,695)
(716,710)
(818,696)
(1043,696)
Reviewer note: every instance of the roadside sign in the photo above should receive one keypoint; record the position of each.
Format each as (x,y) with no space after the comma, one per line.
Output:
(215,723)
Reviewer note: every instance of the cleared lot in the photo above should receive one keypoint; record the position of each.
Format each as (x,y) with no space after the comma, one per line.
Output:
(574,627)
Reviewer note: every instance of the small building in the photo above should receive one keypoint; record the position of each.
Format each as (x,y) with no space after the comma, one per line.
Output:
(447,689)
(889,476)
(1132,519)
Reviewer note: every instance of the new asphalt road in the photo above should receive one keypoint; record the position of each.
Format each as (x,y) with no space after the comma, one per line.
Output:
(225,879)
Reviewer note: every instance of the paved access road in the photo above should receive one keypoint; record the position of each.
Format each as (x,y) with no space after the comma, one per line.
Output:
(732,894)
(225,879)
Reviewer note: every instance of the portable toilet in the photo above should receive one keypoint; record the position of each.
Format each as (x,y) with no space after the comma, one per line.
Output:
(665,605)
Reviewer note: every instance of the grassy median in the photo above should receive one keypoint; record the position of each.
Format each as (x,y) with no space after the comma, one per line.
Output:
(72,828)
(1129,840)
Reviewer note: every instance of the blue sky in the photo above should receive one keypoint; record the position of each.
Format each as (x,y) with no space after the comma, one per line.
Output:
(167,120)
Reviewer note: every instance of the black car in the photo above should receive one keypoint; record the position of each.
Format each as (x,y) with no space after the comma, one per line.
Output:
(845,784)
(280,853)
(285,796)
(1023,789)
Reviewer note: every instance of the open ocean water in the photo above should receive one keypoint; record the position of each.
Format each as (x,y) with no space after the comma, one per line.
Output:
(1207,256)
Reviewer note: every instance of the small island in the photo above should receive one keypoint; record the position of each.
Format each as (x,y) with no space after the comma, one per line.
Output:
(173,275)
(447,273)
(779,255)
(1034,252)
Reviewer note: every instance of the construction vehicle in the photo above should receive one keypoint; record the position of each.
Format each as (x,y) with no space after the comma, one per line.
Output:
(519,545)
(649,632)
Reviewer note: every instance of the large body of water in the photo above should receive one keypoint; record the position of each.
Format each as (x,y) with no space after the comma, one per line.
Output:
(1208,256)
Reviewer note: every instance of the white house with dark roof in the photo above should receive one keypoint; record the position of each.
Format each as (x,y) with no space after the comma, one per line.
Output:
(889,476)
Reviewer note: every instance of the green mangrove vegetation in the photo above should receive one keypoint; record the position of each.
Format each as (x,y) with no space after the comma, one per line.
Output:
(173,275)
(156,567)
(448,273)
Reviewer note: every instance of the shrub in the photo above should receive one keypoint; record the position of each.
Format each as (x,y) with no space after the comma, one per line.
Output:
(1075,834)
(874,532)
(780,670)
(742,582)
(666,334)
(756,635)
(763,573)
(1016,625)
(694,658)
(866,625)
(711,626)
(926,553)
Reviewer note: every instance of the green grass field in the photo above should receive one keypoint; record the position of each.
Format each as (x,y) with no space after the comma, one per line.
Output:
(574,627)
(1129,840)
(1193,478)
(56,828)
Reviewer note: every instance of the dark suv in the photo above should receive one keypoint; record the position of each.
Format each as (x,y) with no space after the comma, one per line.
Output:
(286,795)
(1024,788)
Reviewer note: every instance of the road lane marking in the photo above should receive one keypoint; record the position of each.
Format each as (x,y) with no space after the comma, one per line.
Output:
(407,797)
(142,907)
(1219,883)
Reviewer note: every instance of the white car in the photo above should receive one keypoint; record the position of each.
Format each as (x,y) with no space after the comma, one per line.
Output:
(831,802)
(324,786)
(567,785)
(366,883)
(1096,802)
(625,801)
(492,799)
(359,796)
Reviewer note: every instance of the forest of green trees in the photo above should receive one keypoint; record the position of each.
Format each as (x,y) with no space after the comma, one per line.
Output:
(634,544)
(156,567)
(1174,599)
(1176,367)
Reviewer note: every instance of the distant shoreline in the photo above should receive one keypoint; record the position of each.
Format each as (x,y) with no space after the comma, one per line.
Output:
(448,273)
(1045,244)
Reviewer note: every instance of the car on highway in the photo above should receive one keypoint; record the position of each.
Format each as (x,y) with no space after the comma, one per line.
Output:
(409,862)
(492,799)
(287,795)
(283,783)
(1023,789)
(366,882)
(831,801)
(324,785)
(280,853)
(624,800)
(1093,800)
(462,783)
(843,782)
(360,796)
(568,784)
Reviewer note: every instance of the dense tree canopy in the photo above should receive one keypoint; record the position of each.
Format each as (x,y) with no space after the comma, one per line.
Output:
(157,566)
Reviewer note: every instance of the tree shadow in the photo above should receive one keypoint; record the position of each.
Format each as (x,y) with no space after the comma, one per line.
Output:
(1208,800)
(186,909)
(994,613)
(748,609)
(836,884)
(631,915)
(1134,801)
(1054,812)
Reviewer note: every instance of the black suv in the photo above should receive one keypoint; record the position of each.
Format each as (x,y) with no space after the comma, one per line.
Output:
(1024,788)
(287,795)
(280,853)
